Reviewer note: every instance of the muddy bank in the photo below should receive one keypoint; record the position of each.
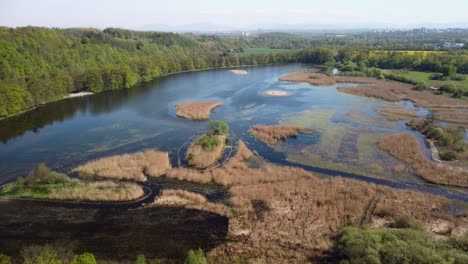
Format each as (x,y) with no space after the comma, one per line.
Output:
(110,233)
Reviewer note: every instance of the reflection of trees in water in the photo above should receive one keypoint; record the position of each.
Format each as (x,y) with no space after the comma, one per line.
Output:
(63,110)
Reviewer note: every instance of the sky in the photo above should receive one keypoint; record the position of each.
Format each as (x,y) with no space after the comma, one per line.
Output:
(141,14)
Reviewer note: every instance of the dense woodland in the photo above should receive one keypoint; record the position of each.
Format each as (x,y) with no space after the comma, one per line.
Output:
(39,65)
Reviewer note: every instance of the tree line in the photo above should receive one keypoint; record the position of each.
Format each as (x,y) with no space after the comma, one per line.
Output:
(39,65)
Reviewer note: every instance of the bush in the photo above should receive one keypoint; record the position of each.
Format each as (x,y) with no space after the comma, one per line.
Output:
(393,246)
(436,76)
(41,174)
(195,257)
(4,259)
(218,127)
(448,88)
(404,221)
(141,259)
(85,258)
(400,78)
(191,156)
(458,78)
(208,142)
(420,86)
(449,155)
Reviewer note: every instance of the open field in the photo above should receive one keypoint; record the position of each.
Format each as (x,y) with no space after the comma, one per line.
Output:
(201,158)
(135,166)
(424,77)
(272,134)
(196,110)
(406,148)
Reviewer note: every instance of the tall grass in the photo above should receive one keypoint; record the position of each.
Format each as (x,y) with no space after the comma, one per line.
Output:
(186,199)
(237,172)
(98,191)
(196,110)
(406,148)
(128,166)
(200,157)
(275,133)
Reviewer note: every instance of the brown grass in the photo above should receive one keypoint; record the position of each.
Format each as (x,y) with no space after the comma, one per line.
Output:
(196,110)
(191,200)
(273,134)
(396,114)
(300,217)
(370,91)
(203,159)
(98,191)
(307,77)
(456,116)
(237,172)
(128,166)
(406,148)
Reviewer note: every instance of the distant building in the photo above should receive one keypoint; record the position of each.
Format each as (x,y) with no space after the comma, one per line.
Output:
(245,34)
(450,45)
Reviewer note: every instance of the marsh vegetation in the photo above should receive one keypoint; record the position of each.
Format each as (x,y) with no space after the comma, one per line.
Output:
(135,166)
(196,110)
(273,134)
(42,183)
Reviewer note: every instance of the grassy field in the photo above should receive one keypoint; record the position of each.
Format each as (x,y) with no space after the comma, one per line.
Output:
(424,76)
(39,191)
(251,51)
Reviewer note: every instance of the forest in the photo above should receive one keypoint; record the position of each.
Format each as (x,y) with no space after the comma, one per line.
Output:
(39,65)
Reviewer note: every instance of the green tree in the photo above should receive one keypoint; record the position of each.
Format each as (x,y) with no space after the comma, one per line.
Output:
(218,127)
(195,257)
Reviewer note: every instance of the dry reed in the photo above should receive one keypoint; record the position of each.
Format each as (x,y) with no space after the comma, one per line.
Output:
(196,110)
(273,134)
(98,191)
(406,148)
(128,166)
(199,158)
(190,200)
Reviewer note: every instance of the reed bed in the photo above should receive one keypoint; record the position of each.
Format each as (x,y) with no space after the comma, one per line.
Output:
(200,158)
(405,147)
(307,77)
(128,166)
(98,191)
(190,200)
(196,110)
(237,172)
(272,134)
(397,114)
(301,216)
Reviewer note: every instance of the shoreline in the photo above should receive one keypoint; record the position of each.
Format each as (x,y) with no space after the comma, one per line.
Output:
(163,75)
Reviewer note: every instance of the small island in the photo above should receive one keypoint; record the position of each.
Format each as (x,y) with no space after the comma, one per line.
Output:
(136,166)
(276,93)
(208,148)
(239,72)
(42,183)
(196,110)
(272,134)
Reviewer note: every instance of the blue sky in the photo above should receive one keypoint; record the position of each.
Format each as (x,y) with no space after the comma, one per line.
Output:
(234,14)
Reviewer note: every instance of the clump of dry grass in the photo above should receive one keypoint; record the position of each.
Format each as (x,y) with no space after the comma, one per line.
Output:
(273,134)
(186,199)
(98,191)
(406,148)
(237,172)
(200,158)
(396,114)
(196,110)
(370,91)
(128,166)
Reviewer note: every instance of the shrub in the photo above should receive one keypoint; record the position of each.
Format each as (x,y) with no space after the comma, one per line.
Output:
(449,155)
(43,175)
(195,257)
(436,76)
(191,156)
(85,258)
(458,78)
(4,259)
(448,88)
(141,259)
(218,127)
(404,221)
(420,86)
(208,143)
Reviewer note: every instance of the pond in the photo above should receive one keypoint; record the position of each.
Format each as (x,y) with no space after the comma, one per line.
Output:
(69,132)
